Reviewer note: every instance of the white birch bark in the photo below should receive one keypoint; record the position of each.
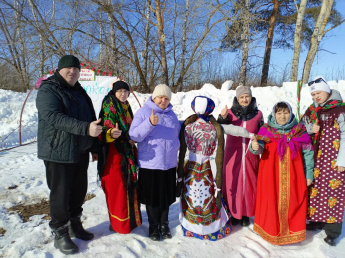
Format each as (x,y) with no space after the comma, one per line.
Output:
(297,40)
(318,33)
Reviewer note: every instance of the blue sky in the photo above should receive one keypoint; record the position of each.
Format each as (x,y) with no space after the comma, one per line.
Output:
(330,62)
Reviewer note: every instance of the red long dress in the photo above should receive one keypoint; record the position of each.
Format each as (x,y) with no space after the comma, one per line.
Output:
(116,194)
(281,197)
(122,203)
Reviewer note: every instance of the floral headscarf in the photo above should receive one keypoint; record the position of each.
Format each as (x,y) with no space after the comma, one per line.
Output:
(209,108)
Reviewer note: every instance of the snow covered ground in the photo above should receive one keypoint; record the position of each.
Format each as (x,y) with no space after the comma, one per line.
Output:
(22,181)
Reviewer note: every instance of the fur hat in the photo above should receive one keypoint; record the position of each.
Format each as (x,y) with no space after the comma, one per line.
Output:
(120,85)
(68,61)
(240,90)
(161,90)
(319,84)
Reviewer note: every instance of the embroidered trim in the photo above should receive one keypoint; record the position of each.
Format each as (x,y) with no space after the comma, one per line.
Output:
(115,217)
(293,237)
(136,209)
(284,194)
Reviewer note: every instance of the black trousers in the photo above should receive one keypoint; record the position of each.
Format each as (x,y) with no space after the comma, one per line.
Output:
(156,216)
(68,187)
(332,230)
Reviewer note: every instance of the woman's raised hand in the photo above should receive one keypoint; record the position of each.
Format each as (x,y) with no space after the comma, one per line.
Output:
(255,144)
(224,112)
(154,118)
(316,127)
(116,132)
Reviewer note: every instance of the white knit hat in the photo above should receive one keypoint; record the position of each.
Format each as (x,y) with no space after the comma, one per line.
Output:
(161,90)
(319,84)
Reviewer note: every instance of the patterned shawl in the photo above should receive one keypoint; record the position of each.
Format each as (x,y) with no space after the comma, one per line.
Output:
(314,112)
(295,139)
(112,112)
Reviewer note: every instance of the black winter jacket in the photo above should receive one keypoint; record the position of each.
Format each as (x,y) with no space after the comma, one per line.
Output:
(62,121)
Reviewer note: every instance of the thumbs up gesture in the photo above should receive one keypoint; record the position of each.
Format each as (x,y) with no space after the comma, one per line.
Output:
(316,127)
(224,112)
(154,118)
(116,132)
(255,144)
(94,128)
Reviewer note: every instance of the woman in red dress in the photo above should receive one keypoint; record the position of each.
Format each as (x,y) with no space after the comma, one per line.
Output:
(281,200)
(117,165)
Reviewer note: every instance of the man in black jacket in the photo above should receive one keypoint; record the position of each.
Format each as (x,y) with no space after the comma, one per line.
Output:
(67,133)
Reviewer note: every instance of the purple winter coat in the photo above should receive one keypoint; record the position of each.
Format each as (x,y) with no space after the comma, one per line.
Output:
(157,145)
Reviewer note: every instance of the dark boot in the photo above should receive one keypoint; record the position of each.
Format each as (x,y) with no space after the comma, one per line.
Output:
(330,240)
(76,230)
(234,221)
(63,242)
(164,227)
(245,221)
(154,233)
(165,232)
(111,229)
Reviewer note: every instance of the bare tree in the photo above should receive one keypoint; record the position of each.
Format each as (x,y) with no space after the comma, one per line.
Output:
(15,51)
(245,44)
(217,14)
(159,13)
(318,33)
(297,39)
(147,37)
(269,42)
(184,40)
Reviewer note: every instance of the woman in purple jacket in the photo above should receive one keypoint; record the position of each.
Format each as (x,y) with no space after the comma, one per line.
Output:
(156,128)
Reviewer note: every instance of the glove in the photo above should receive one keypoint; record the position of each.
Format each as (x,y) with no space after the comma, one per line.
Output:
(179,187)
(263,138)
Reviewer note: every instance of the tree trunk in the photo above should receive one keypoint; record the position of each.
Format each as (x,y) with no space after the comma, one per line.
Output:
(100,57)
(318,33)
(184,41)
(147,35)
(21,51)
(42,56)
(245,43)
(297,40)
(161,39)
(114,55)
(269,42)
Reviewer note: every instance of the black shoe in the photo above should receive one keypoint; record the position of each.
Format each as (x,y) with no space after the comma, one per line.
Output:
(234,221)
(111,229)
(165,232)
(245,221)
(63,241)
(76,230)
(330,240)
(154,233)
(312,226)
